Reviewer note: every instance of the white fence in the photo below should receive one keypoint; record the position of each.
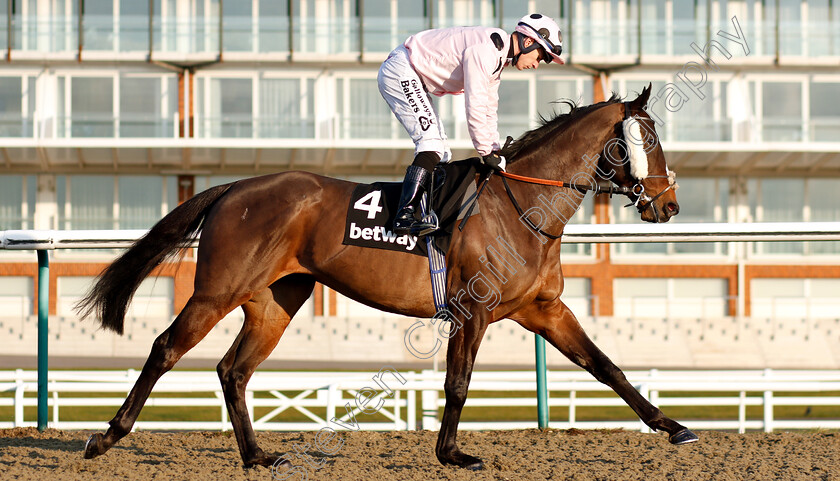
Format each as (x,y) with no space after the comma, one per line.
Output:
(322,396)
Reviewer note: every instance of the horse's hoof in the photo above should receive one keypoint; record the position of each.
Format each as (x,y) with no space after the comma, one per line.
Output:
(684,436)
(93,446)
(464,461)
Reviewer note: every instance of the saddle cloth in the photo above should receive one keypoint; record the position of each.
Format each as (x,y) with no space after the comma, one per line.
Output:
(372,208)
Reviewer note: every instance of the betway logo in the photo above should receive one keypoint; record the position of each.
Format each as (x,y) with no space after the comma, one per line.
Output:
(379,234)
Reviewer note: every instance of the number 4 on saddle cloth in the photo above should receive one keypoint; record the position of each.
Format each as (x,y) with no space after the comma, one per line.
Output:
(372,208)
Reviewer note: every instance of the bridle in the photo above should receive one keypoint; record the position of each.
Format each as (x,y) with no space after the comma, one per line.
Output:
(642,202)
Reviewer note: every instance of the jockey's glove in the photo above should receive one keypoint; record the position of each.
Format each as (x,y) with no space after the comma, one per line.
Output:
(494,161)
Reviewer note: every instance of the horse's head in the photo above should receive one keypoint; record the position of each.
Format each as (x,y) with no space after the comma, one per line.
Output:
(634,160)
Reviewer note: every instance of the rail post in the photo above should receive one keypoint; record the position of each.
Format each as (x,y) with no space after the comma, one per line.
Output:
(542,391)
(43,336)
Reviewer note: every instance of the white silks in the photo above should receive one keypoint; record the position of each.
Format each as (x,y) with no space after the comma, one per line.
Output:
(635,148)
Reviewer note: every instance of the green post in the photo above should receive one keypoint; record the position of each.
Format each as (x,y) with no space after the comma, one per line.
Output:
(542,391)
(43,335)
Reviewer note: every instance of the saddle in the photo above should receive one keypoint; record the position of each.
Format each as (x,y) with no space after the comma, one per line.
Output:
(373,207)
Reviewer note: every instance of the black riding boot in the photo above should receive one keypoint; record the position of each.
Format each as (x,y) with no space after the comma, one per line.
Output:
(417,181)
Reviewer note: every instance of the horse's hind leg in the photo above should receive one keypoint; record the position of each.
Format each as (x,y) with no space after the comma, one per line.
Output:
(556,323)
(191,325)
(266,316)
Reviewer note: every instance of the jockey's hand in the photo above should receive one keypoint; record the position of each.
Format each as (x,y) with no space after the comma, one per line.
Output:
(494,161)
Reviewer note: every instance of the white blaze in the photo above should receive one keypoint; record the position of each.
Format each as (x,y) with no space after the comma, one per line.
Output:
(635,148)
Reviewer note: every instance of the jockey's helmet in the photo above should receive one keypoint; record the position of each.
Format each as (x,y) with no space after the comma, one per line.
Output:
(546,34)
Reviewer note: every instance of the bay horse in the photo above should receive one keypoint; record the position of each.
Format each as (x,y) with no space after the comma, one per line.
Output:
(265,241)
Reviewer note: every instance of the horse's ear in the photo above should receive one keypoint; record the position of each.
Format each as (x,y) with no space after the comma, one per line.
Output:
(641,101)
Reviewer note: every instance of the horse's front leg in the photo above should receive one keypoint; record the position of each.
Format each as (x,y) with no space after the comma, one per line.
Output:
(555,322)
(460,357)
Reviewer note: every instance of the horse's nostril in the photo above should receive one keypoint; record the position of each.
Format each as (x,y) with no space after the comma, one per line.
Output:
(673,208)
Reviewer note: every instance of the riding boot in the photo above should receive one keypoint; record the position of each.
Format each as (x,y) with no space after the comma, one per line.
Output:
(417,180)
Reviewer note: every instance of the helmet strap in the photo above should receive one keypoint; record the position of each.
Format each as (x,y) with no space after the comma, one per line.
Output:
(520,39)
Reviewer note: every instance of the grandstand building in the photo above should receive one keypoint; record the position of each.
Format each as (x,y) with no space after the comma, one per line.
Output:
(114,111)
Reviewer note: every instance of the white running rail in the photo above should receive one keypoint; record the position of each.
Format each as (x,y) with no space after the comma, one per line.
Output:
(319,396)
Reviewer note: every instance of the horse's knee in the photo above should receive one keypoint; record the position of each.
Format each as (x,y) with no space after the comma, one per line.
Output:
(231,378)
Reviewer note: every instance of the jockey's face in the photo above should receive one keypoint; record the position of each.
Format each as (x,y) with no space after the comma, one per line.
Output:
(531,59)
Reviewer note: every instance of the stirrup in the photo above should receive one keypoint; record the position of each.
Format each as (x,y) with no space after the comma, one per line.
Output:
(424,226)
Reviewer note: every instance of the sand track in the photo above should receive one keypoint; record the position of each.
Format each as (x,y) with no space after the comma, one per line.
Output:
(509,455)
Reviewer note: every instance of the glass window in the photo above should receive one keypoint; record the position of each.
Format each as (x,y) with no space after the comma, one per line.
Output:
(273,26)
(92,106)
(551,91)
(17,202)
(99,25)
(583,215)
(140,199)
(147,106)
(825,113)
(95,202)
(237,24)
(134,25)
(782,111)
(11,107)
(86,202)
(824,206)
(577,295)
(687,26)
(224,107)
(700,199)
(325,27)
(778,200)
(367,115)
(285,111)
(514,112)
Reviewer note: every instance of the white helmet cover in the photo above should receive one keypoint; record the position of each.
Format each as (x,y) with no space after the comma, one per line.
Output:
(545,32)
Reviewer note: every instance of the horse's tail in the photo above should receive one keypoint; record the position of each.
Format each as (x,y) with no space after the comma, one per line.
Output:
(115,286)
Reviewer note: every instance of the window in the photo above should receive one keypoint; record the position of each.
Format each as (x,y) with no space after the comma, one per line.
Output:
(577,295)
(782,119)
(286,108)
(133,29)
(224,107)
(700,200)
(584,215)
(148,106)
(515,116)
(794,200)
(364,115)
(273,24)
(17,106)
(387,23)
(671,298)
(325,27)
(153,298)
(237,34)
(92,107)
(824,124)
(107,202)
(99,25)
(17,202)
(794,298)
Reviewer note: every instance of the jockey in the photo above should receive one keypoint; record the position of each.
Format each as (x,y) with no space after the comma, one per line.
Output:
(456,60)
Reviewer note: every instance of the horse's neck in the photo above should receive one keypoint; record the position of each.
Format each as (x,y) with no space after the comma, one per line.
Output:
(570,157)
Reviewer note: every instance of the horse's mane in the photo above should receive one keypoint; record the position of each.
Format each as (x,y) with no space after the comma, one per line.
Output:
(551,126)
